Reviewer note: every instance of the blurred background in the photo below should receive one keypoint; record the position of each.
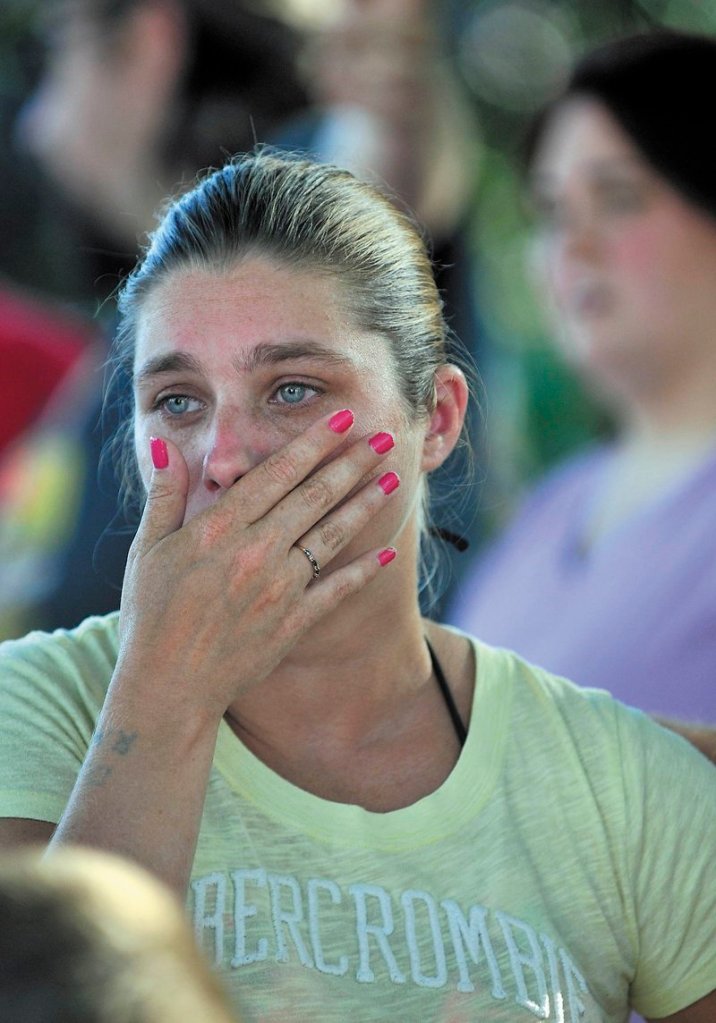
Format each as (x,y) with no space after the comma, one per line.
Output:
(106,106)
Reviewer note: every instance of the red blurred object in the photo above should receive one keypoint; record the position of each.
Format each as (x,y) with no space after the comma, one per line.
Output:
(39,347)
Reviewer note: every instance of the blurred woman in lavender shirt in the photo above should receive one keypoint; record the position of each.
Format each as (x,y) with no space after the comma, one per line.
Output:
(608,573)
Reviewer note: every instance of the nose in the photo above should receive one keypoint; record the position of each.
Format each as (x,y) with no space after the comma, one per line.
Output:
(581,238)
(576,247)
(234,447)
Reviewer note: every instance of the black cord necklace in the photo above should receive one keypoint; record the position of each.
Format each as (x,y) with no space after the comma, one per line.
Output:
(457,722)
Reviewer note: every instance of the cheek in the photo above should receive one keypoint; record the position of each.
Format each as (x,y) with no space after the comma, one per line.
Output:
(192,453)
(553,274)
(635,255)
(378,404)
(651,252)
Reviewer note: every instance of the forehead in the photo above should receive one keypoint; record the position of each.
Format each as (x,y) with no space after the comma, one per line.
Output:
(254,291)
(255,303)
(582,135)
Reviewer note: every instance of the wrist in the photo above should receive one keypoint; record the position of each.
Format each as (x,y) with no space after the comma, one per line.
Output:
(145,700)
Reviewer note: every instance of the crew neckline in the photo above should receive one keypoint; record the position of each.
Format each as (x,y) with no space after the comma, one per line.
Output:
(441,813)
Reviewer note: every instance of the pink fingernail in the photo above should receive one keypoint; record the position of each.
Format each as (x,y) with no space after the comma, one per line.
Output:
(389,482)
(386,556)
(381,443)
(340,422)
(160,455)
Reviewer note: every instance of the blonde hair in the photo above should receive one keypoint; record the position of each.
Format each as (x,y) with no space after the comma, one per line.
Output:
(310,217)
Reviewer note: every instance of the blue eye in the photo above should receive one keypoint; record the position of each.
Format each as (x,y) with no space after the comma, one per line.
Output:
(294,393)
(623,199)
(548,215)
(178,404)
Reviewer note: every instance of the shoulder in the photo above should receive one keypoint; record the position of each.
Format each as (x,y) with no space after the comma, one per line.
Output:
(647,790)
(624,807)
(83,657)
(52,688)
(98,633)
(568,478)
(545,511)
(608,738)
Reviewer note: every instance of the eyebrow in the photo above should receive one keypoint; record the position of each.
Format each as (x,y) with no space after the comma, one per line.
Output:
(268,354)
(601,167)
(262,355)
(172,362)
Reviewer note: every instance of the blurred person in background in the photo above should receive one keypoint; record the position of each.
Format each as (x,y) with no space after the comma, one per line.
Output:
(386,103)
(87,937)
(606,574)
(138,95)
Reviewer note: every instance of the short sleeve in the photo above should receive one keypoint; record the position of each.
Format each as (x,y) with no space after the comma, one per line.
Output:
(670,799)
(51,691)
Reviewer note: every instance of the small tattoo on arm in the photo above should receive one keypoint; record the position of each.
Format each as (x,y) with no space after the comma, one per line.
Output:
(124,742)
(119,741)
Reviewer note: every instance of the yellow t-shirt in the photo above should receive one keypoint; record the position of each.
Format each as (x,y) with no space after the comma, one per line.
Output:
(563,871)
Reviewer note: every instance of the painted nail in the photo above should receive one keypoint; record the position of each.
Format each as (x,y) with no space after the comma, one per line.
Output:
(160,455)
(386,556)
(340,422)
(381,443)
(389,482)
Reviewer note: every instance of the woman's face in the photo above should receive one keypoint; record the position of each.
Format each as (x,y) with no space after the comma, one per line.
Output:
(630,265)
(231,365)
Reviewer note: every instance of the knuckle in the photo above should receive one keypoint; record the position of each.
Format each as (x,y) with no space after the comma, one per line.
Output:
(332,535)
(317,493)
(281,468)
(249,562)
(253,561)
(158,496)
(347,586)
(272,596)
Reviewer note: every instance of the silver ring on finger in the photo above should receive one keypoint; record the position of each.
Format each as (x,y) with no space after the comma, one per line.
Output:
(311,558)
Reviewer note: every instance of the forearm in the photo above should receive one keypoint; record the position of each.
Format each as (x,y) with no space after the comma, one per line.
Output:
(703,737)
(141,789)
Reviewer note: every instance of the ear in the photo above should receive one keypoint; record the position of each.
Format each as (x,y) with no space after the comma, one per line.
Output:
(445,425)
